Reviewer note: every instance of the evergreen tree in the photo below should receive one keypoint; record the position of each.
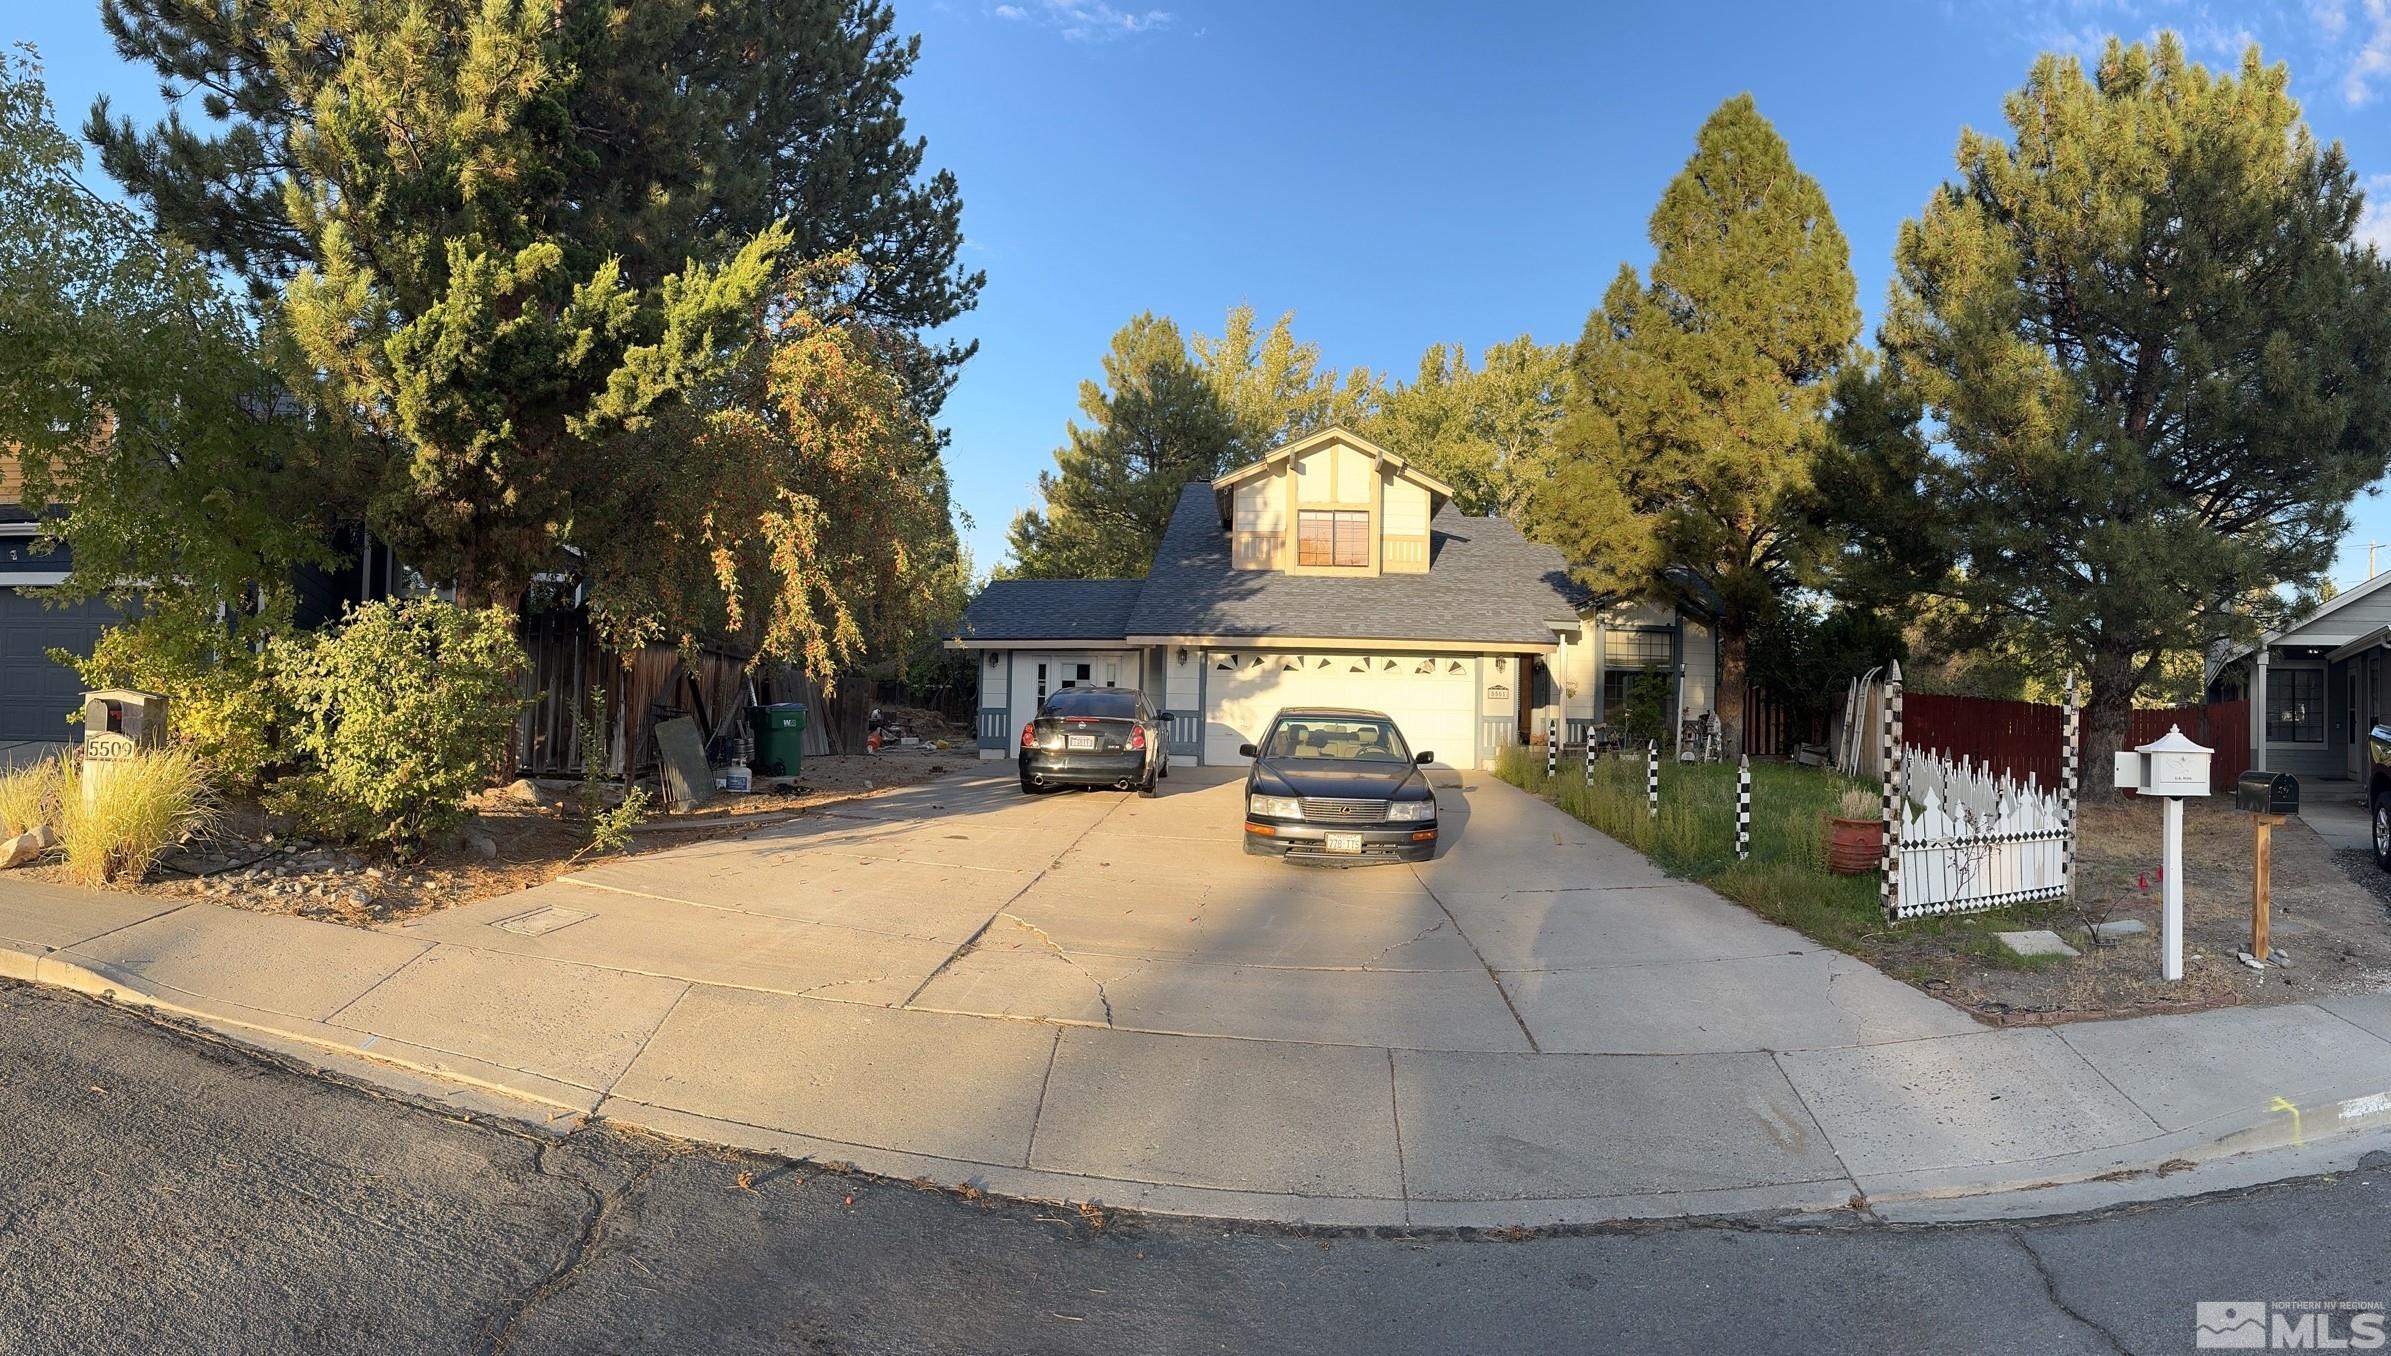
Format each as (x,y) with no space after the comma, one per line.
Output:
(1274,386)
(2156,361)
(671,129)
(1154,423)
(1486,431)
(1697,405)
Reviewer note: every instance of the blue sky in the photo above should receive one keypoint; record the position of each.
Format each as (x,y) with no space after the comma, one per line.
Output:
(1399,174)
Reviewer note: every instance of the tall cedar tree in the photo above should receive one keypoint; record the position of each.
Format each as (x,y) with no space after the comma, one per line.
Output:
(2157,362)
(1698,403)
(482,221)
(1487,431)
(1154,423)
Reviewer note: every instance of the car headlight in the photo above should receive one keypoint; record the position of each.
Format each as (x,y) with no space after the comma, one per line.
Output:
(1274,807)
(1411,809)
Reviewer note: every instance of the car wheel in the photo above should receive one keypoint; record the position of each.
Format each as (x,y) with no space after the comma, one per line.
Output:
(2378,807)
(1165,770)
(1146,787)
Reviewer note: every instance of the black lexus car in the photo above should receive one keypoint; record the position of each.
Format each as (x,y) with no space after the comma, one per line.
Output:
(1337,786)
(1095,736)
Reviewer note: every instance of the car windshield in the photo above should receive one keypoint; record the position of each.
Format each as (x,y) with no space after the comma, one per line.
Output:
(1354,739)
(1103,703)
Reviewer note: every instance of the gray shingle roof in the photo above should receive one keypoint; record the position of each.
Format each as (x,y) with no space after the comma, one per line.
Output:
(1051,609)
(1485,582)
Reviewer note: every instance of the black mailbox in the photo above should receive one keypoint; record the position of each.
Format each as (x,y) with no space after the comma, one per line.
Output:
(2268,793)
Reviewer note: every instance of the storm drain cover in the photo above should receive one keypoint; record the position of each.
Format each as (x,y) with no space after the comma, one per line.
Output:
(542,921)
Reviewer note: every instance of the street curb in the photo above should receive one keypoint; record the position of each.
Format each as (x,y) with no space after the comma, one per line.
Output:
(2320,1123)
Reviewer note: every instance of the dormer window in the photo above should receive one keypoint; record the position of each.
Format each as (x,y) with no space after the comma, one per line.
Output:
(1332,538)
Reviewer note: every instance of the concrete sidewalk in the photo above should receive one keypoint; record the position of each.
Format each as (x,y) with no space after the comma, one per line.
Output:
(1087,997)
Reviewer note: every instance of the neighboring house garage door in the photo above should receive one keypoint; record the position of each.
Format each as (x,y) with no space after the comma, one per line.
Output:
(1431,697)
(37,694)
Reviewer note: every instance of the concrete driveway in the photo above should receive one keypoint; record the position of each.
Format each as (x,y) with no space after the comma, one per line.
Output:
(1102,995)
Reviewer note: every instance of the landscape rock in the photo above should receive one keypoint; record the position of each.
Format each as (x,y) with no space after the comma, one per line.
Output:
(2122,927)
(20,849)
(480,844)
(47,836)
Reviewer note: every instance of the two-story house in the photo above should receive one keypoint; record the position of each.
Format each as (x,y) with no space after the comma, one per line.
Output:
(1333,572)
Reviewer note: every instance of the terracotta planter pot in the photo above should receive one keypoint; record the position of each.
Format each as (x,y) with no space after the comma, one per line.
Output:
(1854,846)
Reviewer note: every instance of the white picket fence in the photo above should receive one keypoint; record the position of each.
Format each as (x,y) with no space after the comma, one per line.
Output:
(1973,839)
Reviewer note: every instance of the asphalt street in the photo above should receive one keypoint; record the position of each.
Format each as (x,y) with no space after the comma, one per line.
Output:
(165,1191)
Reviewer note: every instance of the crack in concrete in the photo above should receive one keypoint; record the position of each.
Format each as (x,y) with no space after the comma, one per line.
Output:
(2050,1288)
(1419,936)
(1066,957)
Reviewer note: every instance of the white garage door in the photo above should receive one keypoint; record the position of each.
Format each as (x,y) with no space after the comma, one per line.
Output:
(1431,697)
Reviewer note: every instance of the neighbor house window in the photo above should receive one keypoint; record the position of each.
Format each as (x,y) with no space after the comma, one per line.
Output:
(1323,538)
(1630,657)
(2295,706)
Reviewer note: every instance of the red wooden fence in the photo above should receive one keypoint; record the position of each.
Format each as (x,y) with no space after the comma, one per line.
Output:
(2023,738)
(2223,726)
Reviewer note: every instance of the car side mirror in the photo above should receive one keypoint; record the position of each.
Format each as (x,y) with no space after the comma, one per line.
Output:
(1248,751)
(1424,759)
(1162,716)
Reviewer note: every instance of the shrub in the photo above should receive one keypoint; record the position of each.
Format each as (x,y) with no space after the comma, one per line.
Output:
(221,699)
(29,796)
(138,808)
(401,714)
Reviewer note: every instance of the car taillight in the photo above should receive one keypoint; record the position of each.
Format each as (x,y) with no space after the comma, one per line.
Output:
(1029,735)
(1137,736)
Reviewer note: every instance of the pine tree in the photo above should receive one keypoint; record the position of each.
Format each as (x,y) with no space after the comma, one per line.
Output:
(2159,366)
(1486,431)
(1698,396)
(1273,385)
(1154,423)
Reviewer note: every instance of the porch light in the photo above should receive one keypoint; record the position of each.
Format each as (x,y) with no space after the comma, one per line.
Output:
(992,657)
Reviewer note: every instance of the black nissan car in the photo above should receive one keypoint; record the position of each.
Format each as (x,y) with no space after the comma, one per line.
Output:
(1334,785)
(1095,736)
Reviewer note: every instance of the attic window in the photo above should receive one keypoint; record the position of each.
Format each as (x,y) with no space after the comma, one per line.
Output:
(1329,538)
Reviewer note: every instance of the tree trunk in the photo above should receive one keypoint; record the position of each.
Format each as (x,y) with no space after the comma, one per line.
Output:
(1735,648)
(2108,711)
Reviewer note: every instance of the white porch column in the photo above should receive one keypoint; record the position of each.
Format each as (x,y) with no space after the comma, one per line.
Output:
(2258,711)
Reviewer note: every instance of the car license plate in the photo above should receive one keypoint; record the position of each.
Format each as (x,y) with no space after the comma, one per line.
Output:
(1344,842)
(1079,741)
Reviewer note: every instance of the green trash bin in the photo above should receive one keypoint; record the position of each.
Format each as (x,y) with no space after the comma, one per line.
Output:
(779,739)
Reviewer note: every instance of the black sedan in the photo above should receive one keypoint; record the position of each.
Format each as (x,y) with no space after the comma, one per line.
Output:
(1095,736)
(1333,785)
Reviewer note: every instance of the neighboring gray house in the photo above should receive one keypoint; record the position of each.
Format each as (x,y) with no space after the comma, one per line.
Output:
(2317,686)
(36,691)
(1332,572)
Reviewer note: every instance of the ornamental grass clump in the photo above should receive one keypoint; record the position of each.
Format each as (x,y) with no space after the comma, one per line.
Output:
(138,808)
(29,797)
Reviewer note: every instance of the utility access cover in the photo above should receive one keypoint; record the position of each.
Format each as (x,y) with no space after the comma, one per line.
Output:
(542,921)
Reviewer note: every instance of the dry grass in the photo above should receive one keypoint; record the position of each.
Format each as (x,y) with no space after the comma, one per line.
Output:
(29,796)
(137,810)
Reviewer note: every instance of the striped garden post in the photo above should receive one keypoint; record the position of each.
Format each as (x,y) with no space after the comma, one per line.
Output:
(1895,802)
(1743,808)
(1552,749)
(1589,755)
(2070,739)
(1652,776)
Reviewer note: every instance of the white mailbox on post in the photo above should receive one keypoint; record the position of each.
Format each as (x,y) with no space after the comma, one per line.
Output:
(2170,765)
(2174,767)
